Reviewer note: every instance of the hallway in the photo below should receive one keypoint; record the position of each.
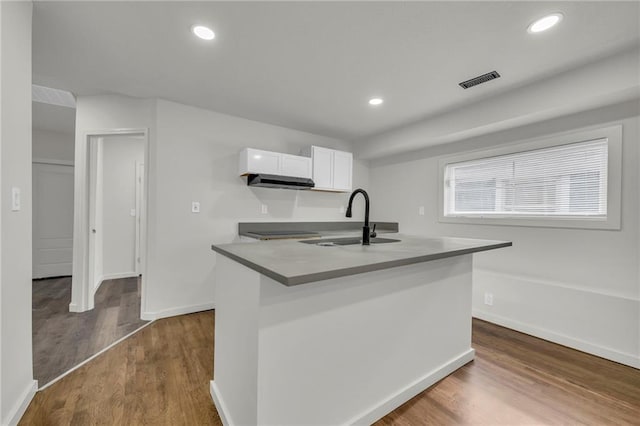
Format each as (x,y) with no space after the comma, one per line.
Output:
(63,339)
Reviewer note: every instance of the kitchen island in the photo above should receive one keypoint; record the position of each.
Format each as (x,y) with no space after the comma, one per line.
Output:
(328,335)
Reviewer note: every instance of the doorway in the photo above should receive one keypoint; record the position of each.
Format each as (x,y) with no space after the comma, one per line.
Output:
(115,202)
(110,222)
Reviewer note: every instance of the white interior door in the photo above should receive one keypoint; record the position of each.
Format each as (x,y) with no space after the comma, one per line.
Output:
(52,220)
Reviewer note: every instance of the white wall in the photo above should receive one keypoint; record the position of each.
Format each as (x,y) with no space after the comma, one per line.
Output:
(16,385)
(51,145)
(195,159)
(119,157)
(193,156)
(580,288)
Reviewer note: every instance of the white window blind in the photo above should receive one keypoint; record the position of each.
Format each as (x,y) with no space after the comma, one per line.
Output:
(560,181)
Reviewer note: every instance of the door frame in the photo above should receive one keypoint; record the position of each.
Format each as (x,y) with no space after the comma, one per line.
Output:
(82,288)
(140,211)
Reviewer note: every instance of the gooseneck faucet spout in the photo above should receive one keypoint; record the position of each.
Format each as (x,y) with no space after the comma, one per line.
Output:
(365,228)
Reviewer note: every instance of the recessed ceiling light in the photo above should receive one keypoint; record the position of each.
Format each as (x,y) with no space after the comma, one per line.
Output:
(376,101)
(203,32)
(545,23)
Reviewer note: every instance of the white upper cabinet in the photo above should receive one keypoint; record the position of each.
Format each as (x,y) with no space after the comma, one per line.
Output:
(342,170)
(322,160)
(332,169)
(295,165)
(255,161)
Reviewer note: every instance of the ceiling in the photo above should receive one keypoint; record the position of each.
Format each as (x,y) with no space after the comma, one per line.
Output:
(313,66)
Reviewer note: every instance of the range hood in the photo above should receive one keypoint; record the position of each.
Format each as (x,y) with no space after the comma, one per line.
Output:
(276,181)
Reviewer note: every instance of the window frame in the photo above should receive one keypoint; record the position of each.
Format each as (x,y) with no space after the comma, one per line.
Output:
(613,134)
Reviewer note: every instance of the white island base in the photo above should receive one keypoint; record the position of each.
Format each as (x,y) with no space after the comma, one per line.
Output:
(346,350)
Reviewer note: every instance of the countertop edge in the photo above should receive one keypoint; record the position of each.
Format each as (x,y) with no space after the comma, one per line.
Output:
(337,273)
(261,269)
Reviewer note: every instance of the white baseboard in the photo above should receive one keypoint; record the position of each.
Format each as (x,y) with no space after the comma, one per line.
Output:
(223,412)
(601,351)
(403,395)
(119,275)
(17,411)
(172,312)
(591,320)
(383,407)
(74,308)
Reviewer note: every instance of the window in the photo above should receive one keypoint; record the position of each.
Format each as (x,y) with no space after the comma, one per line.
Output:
(547,183)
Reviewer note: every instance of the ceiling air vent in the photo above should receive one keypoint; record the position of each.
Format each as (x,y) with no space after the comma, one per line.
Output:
(479,79)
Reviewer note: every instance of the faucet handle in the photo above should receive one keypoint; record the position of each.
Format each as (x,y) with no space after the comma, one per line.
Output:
(373,232)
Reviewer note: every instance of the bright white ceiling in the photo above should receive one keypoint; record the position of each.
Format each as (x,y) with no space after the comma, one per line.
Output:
(313,65)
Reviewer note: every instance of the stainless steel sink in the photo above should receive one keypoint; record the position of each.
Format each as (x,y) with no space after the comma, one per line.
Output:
(347,241)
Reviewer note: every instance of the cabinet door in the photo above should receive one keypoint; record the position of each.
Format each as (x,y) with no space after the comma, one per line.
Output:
(323,167)
(293,165)
(263,162)
(342,168)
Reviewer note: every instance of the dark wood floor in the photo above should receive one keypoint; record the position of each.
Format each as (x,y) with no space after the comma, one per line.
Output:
(517,379)
(160,376)
(63,339)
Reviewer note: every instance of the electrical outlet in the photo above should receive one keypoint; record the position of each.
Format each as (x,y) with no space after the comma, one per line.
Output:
(264,209)
(195,207)
(488,299)
(421,210)
(342,210)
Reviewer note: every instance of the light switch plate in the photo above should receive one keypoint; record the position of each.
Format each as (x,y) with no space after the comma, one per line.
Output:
(264,209)
(195,207)
(15,199)
(421,210)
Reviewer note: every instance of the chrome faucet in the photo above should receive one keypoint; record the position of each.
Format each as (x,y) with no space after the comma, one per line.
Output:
(365,228)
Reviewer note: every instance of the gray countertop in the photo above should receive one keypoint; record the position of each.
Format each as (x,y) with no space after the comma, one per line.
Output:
(291,262)
(260,230)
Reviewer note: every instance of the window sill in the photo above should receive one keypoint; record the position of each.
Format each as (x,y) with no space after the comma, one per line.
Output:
(537,222)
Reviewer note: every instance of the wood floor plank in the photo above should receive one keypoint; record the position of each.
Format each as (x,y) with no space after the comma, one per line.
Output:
(63,339)
(518,379)
(160,376)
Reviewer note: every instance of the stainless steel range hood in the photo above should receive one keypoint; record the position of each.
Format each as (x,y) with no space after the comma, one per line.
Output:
(276,181)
